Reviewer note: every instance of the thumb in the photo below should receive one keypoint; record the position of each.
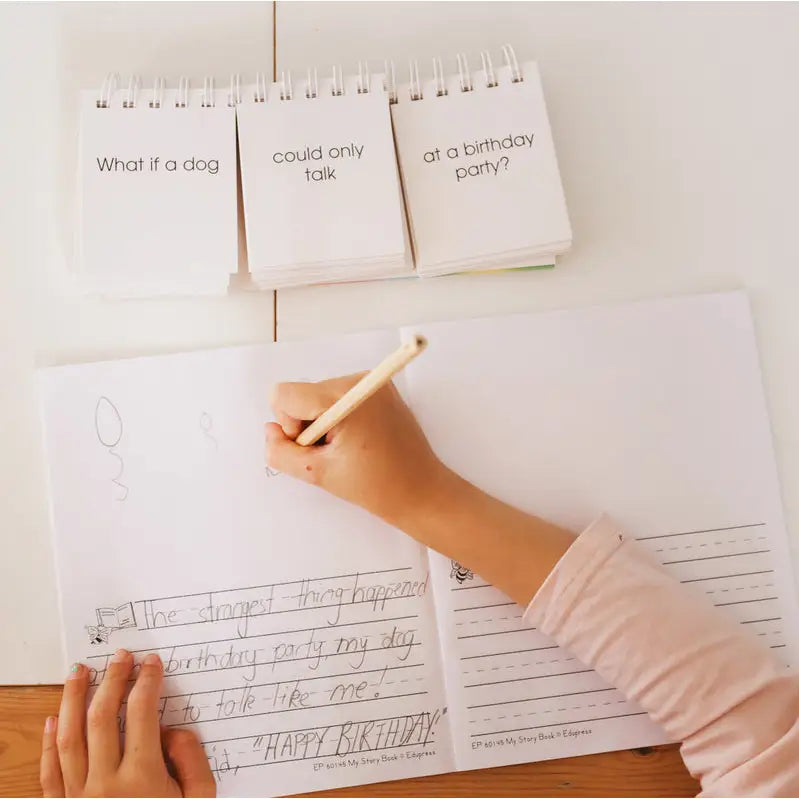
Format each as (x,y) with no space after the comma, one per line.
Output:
(306,401)
(283,454)
(189,763)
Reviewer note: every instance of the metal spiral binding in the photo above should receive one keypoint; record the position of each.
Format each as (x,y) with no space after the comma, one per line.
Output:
(286,87)
(338,87)
(107,90)
(234,95)
(439,79)
(415,88)
(488,68)
(510,59)
(466,82)
(209,96)
(466,78)
(312,84)
(338,82)
(182,99)
(132,93)
(157,101)
(260,88)
(364,77)
(390,81)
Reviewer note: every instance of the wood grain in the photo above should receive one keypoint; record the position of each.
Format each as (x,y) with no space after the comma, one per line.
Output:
(657,771)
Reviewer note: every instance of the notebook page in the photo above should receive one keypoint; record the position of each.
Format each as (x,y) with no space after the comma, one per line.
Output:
(653,412)
(297,631)
(157,185)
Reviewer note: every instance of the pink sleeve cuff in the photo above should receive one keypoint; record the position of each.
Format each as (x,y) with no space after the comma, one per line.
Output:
(562,588)
(707,680)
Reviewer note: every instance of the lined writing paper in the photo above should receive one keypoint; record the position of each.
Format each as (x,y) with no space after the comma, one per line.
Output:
(653,412)
(515,695)
(297,632)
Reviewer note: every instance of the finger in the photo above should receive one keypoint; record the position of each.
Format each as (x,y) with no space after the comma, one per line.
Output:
(300,401)
(49,767)
(295,404)
(291,427)
(71,734)
(189,763)
(102,728)
(304,463)
(142,729)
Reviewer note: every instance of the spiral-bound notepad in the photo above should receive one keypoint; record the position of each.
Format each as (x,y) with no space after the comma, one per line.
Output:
(335,170)
(478,165)
(157,189)
(322,197)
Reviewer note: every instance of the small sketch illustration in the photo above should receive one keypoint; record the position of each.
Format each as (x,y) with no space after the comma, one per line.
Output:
(460,573)
(109,429)
(110,619)
(270,472)
(207,426)
(98,634)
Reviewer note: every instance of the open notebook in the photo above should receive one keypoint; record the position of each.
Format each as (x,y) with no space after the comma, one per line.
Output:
(309,644)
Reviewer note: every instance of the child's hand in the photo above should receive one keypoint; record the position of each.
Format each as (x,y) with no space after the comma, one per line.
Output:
(81,751)
(378,457)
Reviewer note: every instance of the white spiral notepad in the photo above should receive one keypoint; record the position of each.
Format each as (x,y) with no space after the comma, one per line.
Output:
(478,165)
(322,197)
(157,189)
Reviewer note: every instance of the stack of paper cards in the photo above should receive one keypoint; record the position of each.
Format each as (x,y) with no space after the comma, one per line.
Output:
(157,190)
(322,198)
(478,165)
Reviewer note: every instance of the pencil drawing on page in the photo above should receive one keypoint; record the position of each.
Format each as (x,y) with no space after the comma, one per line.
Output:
(109,429)
(110,619)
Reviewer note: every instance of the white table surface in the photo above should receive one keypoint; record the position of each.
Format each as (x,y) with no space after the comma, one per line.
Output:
(48,52)
(676,127)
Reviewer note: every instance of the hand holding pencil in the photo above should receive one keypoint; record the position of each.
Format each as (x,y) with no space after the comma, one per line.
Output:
(375,454)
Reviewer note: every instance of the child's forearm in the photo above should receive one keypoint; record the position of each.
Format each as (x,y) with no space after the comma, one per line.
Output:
(703,677)
(512,550)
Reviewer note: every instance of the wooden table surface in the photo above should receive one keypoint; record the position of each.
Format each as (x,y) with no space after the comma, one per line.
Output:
(655,771)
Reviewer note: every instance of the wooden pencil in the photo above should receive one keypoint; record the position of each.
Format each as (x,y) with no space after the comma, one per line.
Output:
(362,390)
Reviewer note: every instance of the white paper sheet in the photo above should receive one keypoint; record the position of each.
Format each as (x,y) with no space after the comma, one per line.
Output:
(651,411)
(297,632)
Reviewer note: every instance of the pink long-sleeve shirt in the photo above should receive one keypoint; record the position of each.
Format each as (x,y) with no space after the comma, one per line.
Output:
(700,675)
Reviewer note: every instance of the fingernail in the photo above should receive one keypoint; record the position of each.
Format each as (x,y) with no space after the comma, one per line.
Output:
(49,725)
(152,660)
(75,671)
(120,656)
